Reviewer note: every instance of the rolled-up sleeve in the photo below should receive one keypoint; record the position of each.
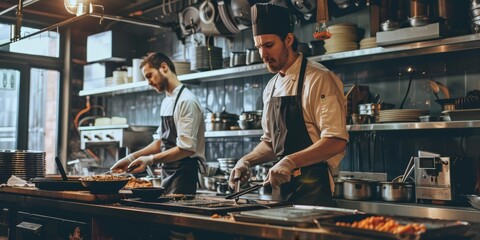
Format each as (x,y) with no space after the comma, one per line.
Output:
(188,124)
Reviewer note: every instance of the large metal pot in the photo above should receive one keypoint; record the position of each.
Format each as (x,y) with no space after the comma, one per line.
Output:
(397,191)
(238,59)
(359,189)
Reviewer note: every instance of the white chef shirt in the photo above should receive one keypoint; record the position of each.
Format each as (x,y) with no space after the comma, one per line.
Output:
(188,120)
(323,103)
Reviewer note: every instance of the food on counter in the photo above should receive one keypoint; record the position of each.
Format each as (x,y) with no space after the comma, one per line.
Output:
(385,224)
(104,178)
(138,183)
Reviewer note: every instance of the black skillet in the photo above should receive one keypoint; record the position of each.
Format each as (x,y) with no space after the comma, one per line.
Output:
(54,184)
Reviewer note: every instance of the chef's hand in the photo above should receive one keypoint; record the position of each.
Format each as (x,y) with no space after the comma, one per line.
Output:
(280,173)
(239,173)
(140,164)
(122,164)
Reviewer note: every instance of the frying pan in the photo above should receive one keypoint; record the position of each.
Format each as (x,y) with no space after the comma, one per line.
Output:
(63,184)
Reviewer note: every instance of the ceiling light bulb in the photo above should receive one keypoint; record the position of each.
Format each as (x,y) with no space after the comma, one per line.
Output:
(77,7)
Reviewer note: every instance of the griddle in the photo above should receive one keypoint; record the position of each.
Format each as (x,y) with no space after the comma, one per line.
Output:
(297,216)
(202,204)
(435,228)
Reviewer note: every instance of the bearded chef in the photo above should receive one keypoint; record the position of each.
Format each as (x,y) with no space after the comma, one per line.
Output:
(181,146)
(304,121)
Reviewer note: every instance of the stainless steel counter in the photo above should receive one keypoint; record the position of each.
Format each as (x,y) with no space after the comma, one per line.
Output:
(410,209)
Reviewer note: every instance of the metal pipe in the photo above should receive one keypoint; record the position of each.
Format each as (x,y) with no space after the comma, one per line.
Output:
(56,25)
(160,25)
(18,23)
(26,3)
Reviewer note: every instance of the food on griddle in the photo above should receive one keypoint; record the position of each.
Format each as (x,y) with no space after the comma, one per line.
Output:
(104,178)
(216,216)
(138,183)
(385,224)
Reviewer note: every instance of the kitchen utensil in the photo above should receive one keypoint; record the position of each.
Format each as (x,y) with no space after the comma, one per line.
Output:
(397,191)
(103,185)
(210,183)
(238,59)
(53,184)
(409,165)
(359,189)
(321,29)
(435,88)
(244,191)
(60,169)
(148,193)
(253,56)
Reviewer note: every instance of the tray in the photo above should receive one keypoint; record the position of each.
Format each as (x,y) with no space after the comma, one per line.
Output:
(202,205)
(436,228)
(463,114)
(298,215)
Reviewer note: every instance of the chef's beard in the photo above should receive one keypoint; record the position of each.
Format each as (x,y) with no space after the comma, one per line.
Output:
(275,65)
(162,84)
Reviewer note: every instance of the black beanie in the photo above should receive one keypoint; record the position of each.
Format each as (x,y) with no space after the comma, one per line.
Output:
(268,18)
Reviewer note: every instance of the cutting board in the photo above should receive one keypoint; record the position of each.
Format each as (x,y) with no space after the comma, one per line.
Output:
(82,196)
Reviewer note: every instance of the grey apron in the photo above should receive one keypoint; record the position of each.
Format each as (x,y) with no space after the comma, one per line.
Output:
(179,177)
(289,135)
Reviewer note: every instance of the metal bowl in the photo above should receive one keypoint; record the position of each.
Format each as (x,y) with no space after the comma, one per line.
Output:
(390,25)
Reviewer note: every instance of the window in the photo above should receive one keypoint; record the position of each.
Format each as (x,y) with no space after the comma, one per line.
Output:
(43,44)
(9,91)
(43,114)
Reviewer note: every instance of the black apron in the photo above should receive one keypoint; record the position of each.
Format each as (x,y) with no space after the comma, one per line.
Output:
(289,135)
(178,177)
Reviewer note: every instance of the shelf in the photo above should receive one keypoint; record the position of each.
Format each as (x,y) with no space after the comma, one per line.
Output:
(452,44)
(444,45)
(413,126)
(235,133)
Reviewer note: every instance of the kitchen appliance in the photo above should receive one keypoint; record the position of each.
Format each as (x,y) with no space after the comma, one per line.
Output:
(201,204)
(437,179)
(112,142)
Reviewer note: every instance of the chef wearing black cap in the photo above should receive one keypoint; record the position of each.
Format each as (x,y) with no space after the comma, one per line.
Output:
(304,116)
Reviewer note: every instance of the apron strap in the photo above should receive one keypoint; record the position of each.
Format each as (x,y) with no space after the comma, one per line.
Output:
(176,99)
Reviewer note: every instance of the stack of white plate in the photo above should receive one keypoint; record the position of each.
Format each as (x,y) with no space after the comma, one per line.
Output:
(181,67)
(25,164)
(401,115)
(368,43)
(344,38)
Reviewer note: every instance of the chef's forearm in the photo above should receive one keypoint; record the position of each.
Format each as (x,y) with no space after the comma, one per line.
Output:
(318,152)
(262,153)
(171,155)
(152,148)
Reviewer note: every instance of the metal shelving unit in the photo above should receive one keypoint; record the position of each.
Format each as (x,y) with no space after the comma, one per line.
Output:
(235,133)
(414,126)
(452,44)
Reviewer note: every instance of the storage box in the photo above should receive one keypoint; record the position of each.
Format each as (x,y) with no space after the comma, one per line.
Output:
(107,46)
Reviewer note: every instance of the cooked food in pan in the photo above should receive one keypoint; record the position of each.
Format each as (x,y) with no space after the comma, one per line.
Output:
(104,178)
(385,224)
(138,183)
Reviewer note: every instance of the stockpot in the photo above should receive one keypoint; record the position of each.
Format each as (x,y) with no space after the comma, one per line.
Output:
(220,121)
(397,191)
(359,189)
